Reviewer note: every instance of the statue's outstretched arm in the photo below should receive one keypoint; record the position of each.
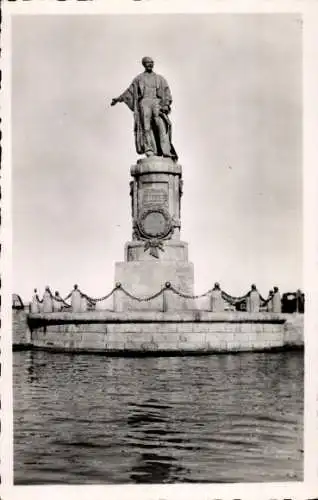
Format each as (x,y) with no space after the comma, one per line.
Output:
(127,97)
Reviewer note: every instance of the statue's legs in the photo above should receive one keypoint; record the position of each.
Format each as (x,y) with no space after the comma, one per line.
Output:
(162,131)
(146,117)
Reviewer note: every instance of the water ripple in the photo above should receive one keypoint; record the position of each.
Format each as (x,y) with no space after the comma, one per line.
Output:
(91,419)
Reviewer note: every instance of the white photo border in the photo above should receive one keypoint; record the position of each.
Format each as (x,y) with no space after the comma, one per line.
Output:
(294,490)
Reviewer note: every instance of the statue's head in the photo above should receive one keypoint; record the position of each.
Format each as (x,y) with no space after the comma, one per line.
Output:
(147,63)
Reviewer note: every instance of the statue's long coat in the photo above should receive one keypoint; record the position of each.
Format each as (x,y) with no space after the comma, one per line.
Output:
(133,95)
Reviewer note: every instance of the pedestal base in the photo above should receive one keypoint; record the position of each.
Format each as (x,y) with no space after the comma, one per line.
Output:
(145,278)
(155,255)
(171,250)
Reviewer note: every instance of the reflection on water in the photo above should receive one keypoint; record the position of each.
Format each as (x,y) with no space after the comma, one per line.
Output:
(93,419)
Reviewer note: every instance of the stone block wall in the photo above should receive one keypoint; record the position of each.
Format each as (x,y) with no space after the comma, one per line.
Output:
(19,326)
(294,330)
(183,337)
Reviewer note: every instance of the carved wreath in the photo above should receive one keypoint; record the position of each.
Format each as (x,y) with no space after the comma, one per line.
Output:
(168,226)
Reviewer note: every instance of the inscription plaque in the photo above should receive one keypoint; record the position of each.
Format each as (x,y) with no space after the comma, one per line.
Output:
(154,196)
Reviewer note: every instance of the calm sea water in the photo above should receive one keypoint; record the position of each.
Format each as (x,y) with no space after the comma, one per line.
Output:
(221,418)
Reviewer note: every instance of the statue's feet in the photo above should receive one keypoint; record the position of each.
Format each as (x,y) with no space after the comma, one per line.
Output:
(149,153)
(171,156)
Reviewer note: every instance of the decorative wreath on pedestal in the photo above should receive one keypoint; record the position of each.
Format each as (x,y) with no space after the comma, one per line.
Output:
(154,223)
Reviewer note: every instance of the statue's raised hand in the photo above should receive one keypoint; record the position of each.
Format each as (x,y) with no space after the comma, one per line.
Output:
(114,101)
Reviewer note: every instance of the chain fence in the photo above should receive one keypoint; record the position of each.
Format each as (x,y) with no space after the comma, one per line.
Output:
(76,294)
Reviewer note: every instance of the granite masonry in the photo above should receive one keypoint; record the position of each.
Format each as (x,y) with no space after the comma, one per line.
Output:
(149,332)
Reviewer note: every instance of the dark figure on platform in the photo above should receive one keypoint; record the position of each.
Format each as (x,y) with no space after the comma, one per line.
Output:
(150,99)
(277,302)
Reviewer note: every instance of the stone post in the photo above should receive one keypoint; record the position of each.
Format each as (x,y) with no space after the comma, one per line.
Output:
(277,303)
(270,301)
(299,302)
(118,298)
(47,301)
(217,302)
(57,304)
(167,298)
(76,299)
(34,305)
(253,301)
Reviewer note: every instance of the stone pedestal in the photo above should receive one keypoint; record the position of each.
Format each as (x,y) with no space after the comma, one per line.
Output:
(155,254)
(170,250)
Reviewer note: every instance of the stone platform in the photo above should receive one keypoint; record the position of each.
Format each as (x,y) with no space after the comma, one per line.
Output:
(154,310)
(155,333)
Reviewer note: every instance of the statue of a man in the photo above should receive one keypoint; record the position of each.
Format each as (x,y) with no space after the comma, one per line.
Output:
(150,99)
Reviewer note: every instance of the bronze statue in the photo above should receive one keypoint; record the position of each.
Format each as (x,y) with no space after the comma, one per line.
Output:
(150,99)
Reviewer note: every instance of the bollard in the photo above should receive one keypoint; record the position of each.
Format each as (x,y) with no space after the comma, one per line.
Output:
(118,298)
(166,297)
(217,302)
(270,301)
(76,299)
(34,305)
(47,301)
(299,301)
(277,302)
(57,302)
(253,300)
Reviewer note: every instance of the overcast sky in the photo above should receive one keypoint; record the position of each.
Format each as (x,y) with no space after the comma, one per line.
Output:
(237,127)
